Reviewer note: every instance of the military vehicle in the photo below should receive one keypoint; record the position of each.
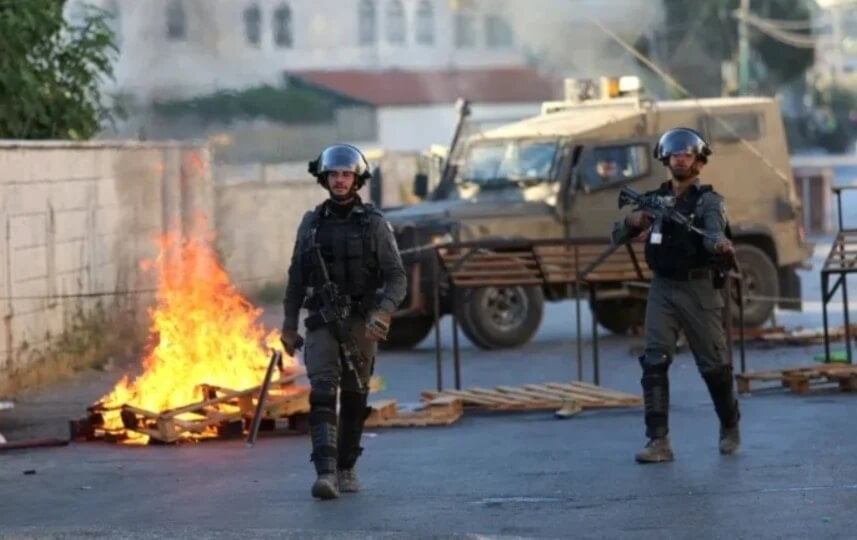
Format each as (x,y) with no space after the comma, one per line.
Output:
(558,174)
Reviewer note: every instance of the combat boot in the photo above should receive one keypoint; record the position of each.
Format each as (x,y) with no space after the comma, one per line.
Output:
(722,391)
(325,487)
(656,451)
(730,440)
(348,481)
(323,433)
(351,420)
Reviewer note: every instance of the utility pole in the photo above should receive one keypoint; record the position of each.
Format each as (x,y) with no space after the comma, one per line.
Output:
(743,49)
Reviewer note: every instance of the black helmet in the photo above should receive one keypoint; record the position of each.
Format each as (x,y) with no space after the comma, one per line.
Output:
(679,141)
(340,157)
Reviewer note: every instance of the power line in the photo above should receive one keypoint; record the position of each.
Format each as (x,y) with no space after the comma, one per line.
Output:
(678,86)
(772,30)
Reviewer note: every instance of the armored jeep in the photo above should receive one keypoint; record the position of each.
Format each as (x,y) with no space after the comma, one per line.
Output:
(558,174)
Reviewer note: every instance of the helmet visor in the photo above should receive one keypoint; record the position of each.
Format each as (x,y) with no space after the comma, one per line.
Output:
(341,158)
(682,142)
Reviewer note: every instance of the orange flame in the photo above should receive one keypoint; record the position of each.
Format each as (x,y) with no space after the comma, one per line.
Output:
(202,332)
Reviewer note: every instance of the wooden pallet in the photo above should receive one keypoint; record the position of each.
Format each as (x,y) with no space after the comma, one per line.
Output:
(800,379)
(437,412)
(223,413)
(568,397)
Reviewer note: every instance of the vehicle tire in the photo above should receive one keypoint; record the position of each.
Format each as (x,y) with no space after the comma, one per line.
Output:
(502,317)
(407,332)
(759,279)
(620,315)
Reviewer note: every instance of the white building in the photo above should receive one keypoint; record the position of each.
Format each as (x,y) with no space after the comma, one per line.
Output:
(180,48)
(416,108)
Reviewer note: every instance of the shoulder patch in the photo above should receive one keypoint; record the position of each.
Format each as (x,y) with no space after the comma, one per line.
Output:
(389,225)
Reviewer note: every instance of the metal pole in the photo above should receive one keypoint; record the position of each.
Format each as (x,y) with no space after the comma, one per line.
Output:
(436,299)
(727,314)
(276,359)
(743,49)
(741,322)
(824,298)
(455,356)
(577,317)
(839,207)
(847,318)
(596,372)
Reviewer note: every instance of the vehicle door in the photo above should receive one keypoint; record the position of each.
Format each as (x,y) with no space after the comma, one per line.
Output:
(599,172)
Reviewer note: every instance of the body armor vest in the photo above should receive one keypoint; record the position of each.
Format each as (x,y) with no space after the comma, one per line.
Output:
(349,253)
(680,250)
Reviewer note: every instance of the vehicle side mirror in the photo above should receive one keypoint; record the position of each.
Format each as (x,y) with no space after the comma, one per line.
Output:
(421,185)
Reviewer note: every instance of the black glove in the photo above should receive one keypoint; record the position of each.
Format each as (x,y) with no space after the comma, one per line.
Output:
(291,340)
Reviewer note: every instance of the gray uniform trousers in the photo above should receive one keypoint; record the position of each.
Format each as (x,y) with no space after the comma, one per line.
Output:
(695,307)
(336,438)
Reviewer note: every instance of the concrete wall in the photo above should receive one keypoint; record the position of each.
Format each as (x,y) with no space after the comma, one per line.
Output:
(77,219)
(257,218)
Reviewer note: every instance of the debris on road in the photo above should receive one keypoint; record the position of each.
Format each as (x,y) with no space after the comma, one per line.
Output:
(446,406)
(800,379)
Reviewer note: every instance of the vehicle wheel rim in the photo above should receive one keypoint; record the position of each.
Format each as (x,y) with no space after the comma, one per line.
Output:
(505,307)
(748,288)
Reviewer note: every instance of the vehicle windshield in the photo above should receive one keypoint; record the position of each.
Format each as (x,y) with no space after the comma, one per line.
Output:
(499,163)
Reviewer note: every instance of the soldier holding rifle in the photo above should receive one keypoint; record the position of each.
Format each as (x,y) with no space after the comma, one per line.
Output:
(347,272)
(687,248)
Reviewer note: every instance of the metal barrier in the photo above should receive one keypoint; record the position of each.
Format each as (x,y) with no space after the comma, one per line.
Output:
(573,262)
(840,262)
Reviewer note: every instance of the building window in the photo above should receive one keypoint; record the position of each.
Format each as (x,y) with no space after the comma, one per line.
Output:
(498,32)
(253,25)
(465,28)
(425,23)
(366,21)
(395,22)
(176,21)
(283,26)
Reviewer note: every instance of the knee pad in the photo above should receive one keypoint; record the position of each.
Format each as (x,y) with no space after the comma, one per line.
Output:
(655,361)
(323,394)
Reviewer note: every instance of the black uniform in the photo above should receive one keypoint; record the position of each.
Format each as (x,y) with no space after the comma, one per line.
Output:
(363,260)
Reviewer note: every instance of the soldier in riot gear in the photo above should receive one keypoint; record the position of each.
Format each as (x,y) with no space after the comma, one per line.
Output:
(362,260)
(685,291)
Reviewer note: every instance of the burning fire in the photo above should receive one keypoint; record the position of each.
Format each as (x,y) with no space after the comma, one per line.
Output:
(202,332)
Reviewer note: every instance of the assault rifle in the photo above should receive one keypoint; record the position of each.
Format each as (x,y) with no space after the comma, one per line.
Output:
(662,207)
(335,312)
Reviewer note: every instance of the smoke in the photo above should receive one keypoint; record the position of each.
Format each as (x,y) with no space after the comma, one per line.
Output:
(560,37)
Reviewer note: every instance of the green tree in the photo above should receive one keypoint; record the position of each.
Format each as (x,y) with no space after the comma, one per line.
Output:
(711,29)
(52,70)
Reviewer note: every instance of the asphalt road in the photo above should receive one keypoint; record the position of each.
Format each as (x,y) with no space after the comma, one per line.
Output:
(488,475)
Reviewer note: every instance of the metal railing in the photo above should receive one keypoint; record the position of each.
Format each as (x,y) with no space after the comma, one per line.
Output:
(840,262)
(571,262)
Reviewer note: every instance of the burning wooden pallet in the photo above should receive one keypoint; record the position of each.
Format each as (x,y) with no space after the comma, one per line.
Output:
(565,398)
(800,379)
(222,412)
